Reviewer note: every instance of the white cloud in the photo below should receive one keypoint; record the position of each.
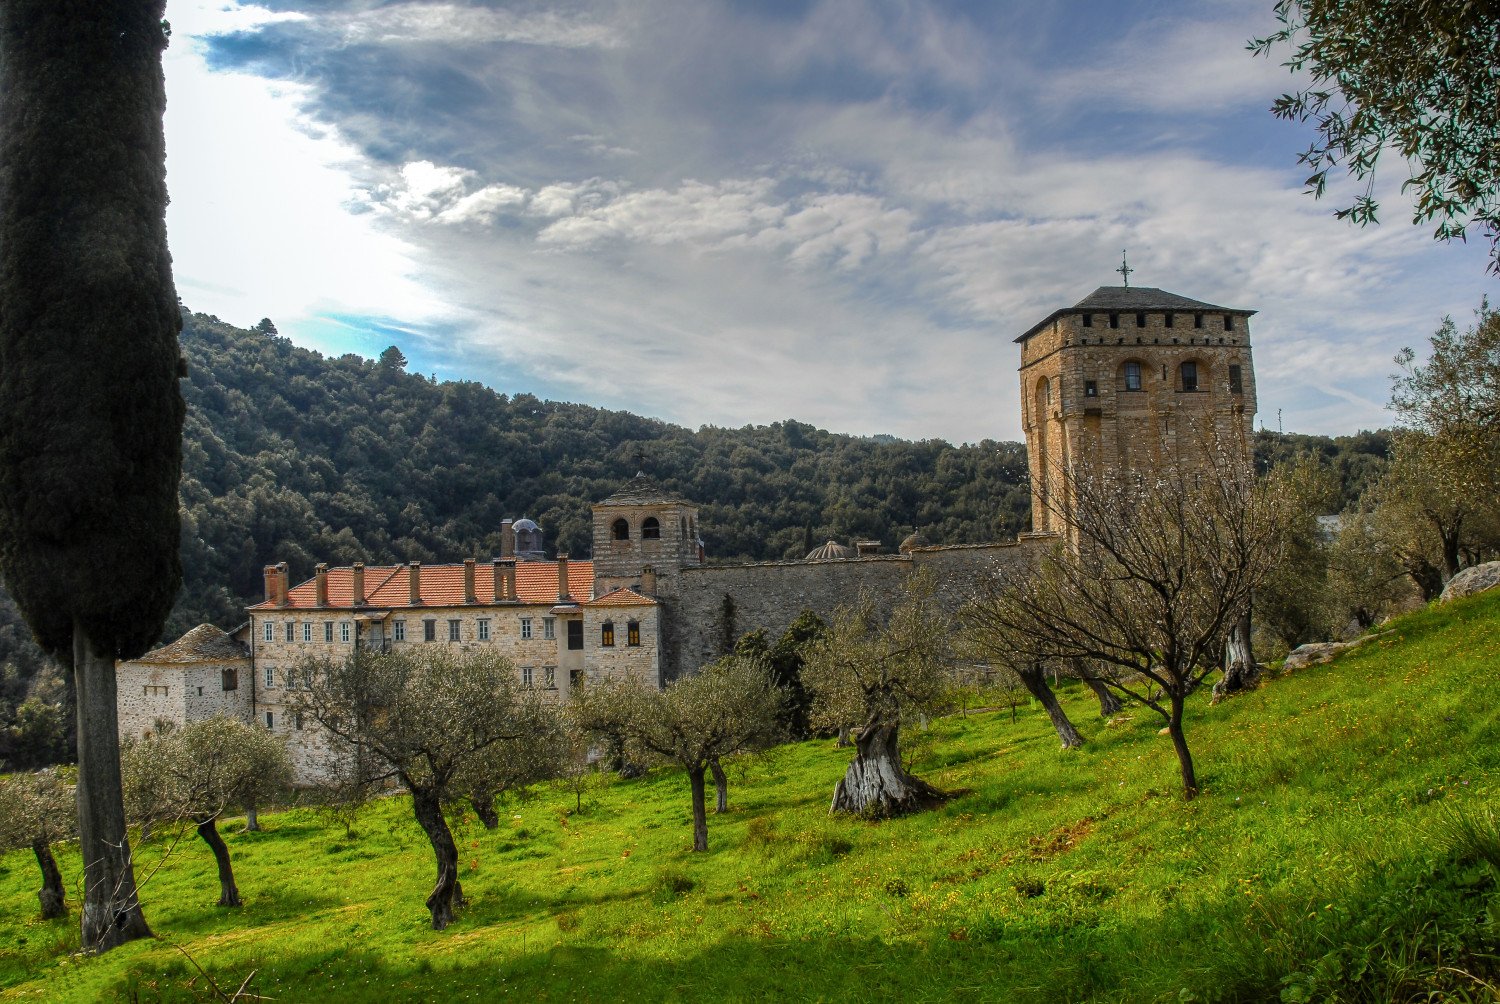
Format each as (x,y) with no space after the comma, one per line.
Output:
(459,24)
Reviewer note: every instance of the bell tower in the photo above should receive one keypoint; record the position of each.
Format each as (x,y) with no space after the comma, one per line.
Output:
(643,526)
(1130,378)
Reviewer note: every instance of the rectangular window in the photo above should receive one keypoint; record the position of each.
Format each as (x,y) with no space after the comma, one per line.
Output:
(549,677)
(291,679)
(1114,320)
(575,677)
(270,631)
(484,630)
(1140,320)
(328,630)
(343,631)
(230,679)
(525,676)
(1088,320)
(270,677)
(1197,320)
(1090,388)
(270,721)
(525,627)
(1236,386)
(1132,376)
(291,631)
(575,636)
(633,633)
(200,691)
(398,630)
(1228,322)
(1189,378)
(607,634)
(296,719)
(453,630)
(307,630)
(1167,318)
(549,628)
(429,630)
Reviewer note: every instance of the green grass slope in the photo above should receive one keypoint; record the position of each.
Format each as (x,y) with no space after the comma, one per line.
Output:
(1345,847)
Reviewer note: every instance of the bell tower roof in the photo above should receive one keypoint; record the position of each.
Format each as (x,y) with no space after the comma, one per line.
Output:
(644,490)
(1137,298)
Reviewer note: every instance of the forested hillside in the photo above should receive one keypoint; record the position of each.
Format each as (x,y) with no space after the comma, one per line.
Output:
(289,455)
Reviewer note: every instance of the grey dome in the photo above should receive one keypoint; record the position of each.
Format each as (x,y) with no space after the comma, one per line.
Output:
(832,549)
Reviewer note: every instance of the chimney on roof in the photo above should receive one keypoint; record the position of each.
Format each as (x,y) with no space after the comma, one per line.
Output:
(648,580)
(273,580)
(358,583)
(414,582)
(320,583)
(283,587)
(563,595)
(469,581)
(505,589)
(507,538)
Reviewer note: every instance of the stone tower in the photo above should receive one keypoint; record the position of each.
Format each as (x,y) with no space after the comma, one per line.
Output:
(643,536)
(1130,377)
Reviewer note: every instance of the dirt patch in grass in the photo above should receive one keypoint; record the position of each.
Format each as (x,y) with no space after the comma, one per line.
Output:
(1060,840)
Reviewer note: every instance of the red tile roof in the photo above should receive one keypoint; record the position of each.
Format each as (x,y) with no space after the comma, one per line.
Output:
(621,597)
(441,586)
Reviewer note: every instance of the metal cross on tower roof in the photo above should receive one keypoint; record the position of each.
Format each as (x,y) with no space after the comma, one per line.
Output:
(1124,269)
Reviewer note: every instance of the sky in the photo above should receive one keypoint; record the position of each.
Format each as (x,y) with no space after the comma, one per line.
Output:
(732,212)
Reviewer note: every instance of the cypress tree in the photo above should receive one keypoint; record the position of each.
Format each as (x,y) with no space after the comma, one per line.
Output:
(90,412)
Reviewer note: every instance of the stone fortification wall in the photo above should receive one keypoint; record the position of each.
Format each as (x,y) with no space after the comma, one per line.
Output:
(180,693)
(770,595)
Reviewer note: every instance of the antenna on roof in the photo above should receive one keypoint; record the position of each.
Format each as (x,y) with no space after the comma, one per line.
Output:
(1124,270)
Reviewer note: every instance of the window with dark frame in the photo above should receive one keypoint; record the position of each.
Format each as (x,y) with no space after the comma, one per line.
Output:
(291,629)
(607,634)
(398,630)
(229,679)
(1236,385)
(575,636)
(1088,320)
(1140,320)
(1189,372)
(454,630)
(633,633)
(1132,376)
(1167,319)
(1114,320)
(621,529)
(429,630)
(650,529)
(484,630)
(1228,322)
(1197,320)
(328,630)
(1090,388)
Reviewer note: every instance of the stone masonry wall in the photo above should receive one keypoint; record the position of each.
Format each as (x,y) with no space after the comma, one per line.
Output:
(179,693)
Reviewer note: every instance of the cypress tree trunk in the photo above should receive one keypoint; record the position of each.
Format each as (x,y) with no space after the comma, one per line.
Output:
(1034,679)
(229,894)
(484,808)
(876,785)
(1240,669)
(700,810)
(51,892)
(447,894)
(111,911)
(721,786)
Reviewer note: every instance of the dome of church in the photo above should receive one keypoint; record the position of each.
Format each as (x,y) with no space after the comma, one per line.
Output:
(832,549)
(916,540)
(524,524)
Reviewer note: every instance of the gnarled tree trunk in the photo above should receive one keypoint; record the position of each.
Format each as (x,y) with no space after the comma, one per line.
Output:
(1034,679)
(1109,702)
(447,895)
(721,786)
(229,894)
(484,808)
(51,892)
(700,810)
(844,740)
(1240,669)
(111,909)
(252,819)
(876,784)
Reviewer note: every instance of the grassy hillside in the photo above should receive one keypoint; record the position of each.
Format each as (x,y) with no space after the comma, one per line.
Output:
(1339,848)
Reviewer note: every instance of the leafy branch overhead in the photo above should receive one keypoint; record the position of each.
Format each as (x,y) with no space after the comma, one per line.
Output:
(1413,77)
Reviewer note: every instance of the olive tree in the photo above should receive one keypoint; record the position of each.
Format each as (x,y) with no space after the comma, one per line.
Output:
(1154,572)
(1412,77)
(730,706)
(90,412)
(884,667)
(426,719)
(36,811)
(199,772)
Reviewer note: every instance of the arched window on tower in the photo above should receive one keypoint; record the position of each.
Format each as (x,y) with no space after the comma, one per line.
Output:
(621,529)
(650,529)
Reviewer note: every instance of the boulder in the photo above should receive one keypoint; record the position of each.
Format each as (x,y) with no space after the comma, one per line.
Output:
(1472,580)
(1313,653)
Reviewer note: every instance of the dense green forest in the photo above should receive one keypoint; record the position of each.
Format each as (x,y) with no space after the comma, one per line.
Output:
(289,455)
